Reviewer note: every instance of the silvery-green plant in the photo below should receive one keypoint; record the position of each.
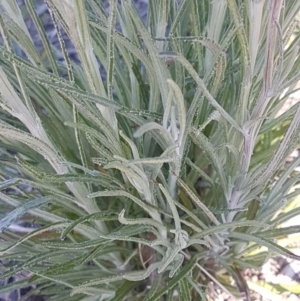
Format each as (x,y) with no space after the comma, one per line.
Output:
(168,172)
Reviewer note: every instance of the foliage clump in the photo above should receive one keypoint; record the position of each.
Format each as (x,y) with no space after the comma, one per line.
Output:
(168,173)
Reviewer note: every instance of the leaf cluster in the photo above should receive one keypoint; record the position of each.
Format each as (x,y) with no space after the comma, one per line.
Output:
(150,181)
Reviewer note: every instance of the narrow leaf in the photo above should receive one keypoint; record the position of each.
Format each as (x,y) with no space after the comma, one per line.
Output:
(18,212)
